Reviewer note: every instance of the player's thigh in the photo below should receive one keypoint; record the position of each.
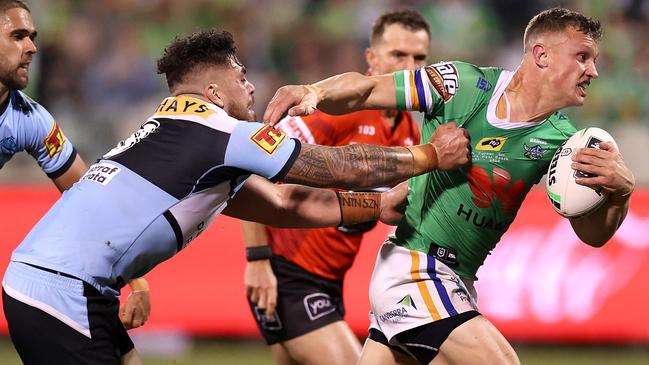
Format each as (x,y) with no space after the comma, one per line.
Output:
(376,353)
(131,358)
(476,341)
(333,344)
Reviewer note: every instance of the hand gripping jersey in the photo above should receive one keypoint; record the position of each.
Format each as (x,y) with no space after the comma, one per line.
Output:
(154,193)
(27,126)
(328,252)
(466,211)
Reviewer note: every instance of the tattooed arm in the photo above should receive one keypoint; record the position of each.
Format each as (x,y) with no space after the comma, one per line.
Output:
(366,166)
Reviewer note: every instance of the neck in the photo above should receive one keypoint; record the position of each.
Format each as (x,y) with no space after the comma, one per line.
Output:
(528,97)
(4,98)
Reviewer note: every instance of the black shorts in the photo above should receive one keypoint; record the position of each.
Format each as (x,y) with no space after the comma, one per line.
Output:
(40,338)
(305,302)
(423,342)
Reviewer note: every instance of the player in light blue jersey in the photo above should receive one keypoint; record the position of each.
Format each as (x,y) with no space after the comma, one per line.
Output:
(151,195)
(27,126)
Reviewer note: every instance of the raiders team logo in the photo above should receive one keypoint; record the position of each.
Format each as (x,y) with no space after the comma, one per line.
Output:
(268,138)
(445,79)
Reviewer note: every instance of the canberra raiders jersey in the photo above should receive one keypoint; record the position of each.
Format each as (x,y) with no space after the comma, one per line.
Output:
(462,214)
(146,199)
(27,126)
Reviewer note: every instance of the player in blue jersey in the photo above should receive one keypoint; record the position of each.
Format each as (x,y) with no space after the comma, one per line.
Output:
(151,195)
(424,304)
(27,126)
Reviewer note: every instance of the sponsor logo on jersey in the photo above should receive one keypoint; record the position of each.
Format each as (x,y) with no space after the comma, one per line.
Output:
(491,191)
(394,315)
(483,84)
(54,141)
(268,138)
(270,324)
(444,78)
(318,305)
(101,173)
(534,152)
(182,105)
(147,128)
(8,146)
(491,144)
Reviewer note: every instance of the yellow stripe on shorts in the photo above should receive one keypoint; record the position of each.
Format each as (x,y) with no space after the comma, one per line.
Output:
(421,283)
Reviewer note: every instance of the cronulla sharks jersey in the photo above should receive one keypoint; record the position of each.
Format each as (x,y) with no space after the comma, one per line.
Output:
(150,196)
(27,126)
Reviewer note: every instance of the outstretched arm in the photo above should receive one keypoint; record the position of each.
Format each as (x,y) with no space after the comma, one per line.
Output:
(611,174)
(339,94)
(359,166)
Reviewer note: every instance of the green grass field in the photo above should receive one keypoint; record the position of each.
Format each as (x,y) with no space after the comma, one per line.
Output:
(253,352)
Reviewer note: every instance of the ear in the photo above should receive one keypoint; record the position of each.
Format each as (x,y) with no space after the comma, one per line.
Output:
(214,94)
(540,55)
(370,58)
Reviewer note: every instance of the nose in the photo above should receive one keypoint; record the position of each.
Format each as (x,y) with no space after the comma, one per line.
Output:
(251,88)
(30,46)
(592,71)
(409,63)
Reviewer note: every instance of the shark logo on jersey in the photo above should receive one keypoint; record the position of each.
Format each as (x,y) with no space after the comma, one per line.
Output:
(8,146)
(147,128)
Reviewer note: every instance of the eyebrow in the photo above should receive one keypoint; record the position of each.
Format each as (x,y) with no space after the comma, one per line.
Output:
(24,33)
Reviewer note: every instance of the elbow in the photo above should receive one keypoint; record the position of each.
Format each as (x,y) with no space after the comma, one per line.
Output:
(596,241)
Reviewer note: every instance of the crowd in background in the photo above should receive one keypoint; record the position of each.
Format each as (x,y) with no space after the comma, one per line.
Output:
(96,73)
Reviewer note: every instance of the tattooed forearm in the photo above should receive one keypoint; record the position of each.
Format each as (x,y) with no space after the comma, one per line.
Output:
(351,167)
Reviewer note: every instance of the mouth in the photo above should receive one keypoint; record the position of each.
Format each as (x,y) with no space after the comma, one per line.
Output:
(582,87)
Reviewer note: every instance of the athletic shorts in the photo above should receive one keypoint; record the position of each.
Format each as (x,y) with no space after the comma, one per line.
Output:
(416,301)
(305,302)
(58,319)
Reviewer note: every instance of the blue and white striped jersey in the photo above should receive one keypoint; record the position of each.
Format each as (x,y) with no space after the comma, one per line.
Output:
(147,198)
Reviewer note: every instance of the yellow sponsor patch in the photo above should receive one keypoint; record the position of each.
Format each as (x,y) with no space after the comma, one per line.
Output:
(183,105)
(268,138)
(54,141)
(491,143)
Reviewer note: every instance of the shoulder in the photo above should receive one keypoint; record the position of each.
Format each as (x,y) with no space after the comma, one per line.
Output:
(562,124)
(25,105)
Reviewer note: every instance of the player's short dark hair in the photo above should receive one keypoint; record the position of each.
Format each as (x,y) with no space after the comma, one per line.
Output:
(12,4)
(557,20)
(409,19)
(199,49)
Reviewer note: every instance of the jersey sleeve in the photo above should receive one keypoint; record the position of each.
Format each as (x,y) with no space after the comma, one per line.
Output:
(47,143)
(262,150)
(317,128)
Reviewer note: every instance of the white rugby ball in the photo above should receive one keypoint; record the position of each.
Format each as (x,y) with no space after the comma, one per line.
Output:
(567,197)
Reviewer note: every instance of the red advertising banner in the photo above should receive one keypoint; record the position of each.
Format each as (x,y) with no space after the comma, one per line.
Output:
(540,283)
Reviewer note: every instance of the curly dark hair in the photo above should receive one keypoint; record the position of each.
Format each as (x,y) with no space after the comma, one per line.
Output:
(558,19)
(199,49)
(12,4)
(409,19)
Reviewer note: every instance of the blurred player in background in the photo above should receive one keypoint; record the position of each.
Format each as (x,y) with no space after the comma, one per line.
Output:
(27,126)
(296,294)
(422,294)
(156,191)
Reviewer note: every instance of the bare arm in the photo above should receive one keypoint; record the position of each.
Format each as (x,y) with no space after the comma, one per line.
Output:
(72,175)
(339,94)
(259,279)
(611,174)
(359,166)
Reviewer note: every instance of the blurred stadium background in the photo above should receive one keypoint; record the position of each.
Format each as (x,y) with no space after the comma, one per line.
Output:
(558,301)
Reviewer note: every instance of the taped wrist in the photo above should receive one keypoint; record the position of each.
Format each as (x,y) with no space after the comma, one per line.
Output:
(257,253)
(424,158)
(356,207)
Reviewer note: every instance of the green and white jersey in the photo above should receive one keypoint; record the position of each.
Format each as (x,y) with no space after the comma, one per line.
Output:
(469,209)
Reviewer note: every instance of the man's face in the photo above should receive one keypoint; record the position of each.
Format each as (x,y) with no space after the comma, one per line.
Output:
(17,47)
(237,92)
(571,65)
(399,48)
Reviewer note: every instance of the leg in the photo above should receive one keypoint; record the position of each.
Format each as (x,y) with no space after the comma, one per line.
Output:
(333,344)
(376,353)
(476,341)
